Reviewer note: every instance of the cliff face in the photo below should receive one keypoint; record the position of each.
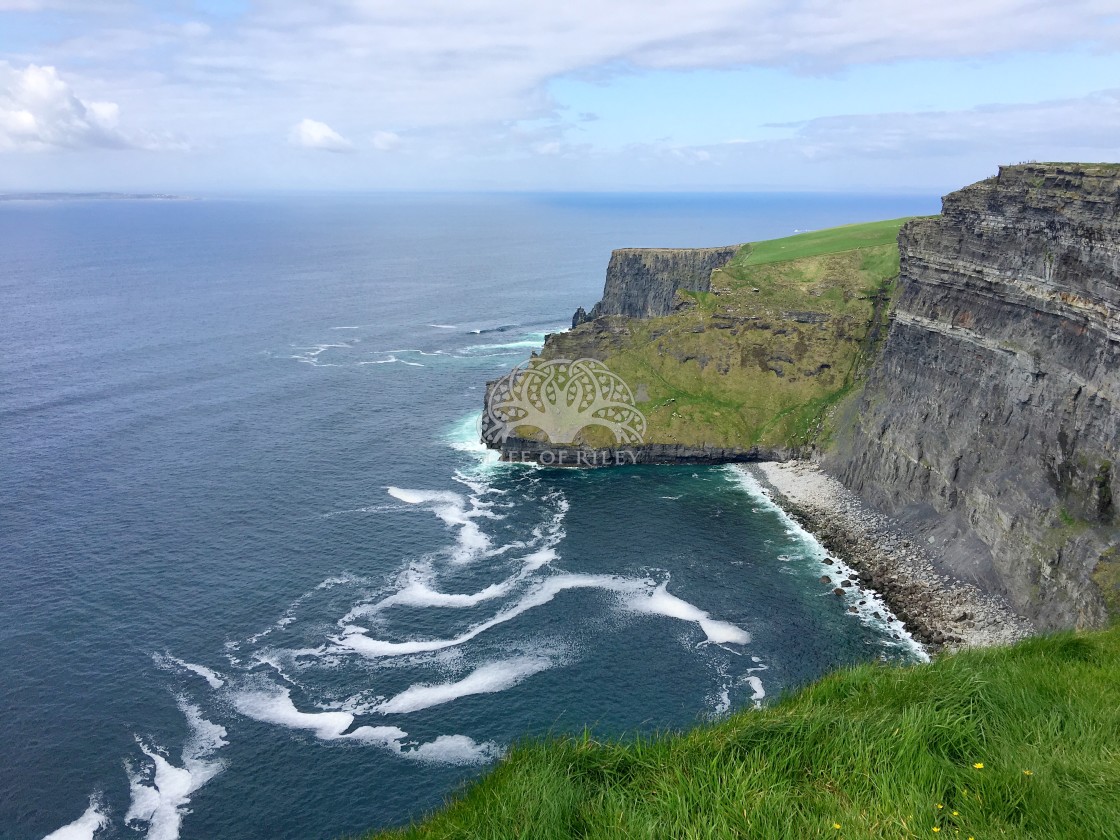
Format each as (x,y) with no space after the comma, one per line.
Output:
(643,282)
(742,370)
(991,420)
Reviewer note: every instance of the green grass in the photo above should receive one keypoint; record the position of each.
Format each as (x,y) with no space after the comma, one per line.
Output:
(879,751)
(811,244)
(742,365)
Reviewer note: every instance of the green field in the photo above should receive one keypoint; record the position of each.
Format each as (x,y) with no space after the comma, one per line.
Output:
(817,242)
(1020,742)
(780,338)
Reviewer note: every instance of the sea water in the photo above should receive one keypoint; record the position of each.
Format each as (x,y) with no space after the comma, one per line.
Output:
(258,579)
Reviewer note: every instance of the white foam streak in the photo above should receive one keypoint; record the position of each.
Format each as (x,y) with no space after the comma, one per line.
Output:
(168,662)
(417,592)
(451,508)
(275,706)
(86,826)
(660,602)
(645,597)
(487,679)
(758,693)
(420,595)
(354,639)
(454,749)
(160,798)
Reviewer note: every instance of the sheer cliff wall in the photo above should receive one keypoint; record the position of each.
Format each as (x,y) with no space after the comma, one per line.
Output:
(643,282)
(991,420)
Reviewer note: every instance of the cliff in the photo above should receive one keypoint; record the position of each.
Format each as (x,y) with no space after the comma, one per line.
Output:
(964,380)
(741,369)
(643,282)
(991,420)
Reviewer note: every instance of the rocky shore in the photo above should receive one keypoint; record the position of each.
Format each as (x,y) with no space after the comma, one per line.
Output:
(937,609)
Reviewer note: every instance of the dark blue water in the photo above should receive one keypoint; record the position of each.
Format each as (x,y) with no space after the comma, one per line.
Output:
(256,578)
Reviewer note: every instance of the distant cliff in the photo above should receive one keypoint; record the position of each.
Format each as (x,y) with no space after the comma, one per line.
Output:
(741,368)
(643,282)
(992,416)
(965,380)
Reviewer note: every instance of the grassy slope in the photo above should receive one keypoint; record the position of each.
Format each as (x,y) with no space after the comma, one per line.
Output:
(736,368)
(874,751)
(814,243)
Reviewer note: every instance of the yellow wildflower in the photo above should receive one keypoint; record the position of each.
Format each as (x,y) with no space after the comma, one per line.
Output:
(936,829)
(836,826)
(939,806)
(979,765)
(1028,773)
(956,813)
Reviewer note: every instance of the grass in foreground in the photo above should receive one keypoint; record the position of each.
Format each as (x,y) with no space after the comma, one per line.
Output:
(1019,742)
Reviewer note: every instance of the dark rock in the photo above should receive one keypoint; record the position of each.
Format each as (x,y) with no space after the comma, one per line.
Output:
(993,410)
(643,282)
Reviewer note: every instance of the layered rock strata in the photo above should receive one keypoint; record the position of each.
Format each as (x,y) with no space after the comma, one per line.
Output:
(991,420)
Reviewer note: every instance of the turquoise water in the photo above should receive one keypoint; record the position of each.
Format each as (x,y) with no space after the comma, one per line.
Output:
(257,580)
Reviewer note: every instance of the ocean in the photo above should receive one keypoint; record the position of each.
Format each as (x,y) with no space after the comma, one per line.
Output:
(258,579)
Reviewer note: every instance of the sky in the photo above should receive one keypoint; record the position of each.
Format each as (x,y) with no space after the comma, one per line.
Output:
(573,95)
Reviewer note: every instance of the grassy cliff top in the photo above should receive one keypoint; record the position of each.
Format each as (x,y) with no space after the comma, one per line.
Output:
(817,242)
(1017,742)
(759,359)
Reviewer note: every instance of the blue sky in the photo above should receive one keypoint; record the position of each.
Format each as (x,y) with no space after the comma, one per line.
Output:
(217,95)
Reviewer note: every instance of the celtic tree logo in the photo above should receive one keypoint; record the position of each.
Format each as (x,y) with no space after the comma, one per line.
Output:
(561,398)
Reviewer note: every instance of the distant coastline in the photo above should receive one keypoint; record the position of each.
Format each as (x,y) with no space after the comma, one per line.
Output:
(90,196)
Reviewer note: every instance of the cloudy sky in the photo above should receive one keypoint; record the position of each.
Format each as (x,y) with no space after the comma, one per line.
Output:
(877,95)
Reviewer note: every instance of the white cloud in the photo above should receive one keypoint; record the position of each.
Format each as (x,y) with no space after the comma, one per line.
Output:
(386,141)
(29,5)
(38,110)
(914,148)
(439,63)
(470,81)
(1090,123)
(312,134)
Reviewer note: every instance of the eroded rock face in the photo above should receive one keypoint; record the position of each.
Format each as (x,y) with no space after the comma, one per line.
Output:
(643,282)
(992,417)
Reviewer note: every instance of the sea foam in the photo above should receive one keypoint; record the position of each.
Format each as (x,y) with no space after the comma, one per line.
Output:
(643,596)
(275,706)
(866,602)
(487,679)
(452,509)
(660,602)
(86,826)
(161,792)
(168,662)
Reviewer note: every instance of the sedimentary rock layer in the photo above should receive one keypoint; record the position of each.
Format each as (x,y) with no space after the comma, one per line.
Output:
(643,282)
(991,421)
